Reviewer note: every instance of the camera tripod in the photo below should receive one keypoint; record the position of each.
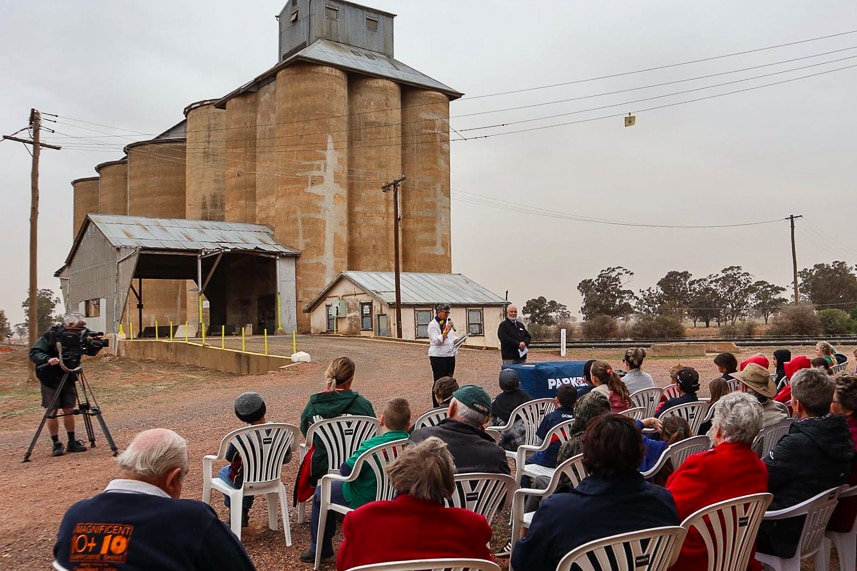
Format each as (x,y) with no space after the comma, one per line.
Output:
(86,406)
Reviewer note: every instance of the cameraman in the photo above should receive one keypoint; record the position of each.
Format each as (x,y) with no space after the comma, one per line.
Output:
(44,352)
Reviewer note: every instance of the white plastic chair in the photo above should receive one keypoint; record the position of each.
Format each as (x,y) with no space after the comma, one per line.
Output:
(431,417)
(561,432)
(483,493)
(431,565)
(838,368)
(729,529)
(817,510)
(340,437)
(678,453)
(634,413)
(648,399)
(647,550)
(769,436)
(521,519)
(845,542)
(692,412)
(733,385)
(531,413)
(376,459)
(263,449)
(672,392)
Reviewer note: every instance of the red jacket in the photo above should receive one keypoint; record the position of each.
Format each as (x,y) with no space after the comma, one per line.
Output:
(409,528)
(727,471)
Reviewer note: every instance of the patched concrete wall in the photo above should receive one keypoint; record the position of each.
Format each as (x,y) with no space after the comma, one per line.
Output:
(208,357)
(677,350)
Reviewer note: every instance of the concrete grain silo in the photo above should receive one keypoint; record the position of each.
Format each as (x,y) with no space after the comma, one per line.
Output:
(156,188)
(85,200)
(304,195)
(374,158)
(425,193)
(113,187)
(206,148)
(240,158)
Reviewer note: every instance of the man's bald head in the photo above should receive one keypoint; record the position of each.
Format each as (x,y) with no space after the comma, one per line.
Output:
(156,456)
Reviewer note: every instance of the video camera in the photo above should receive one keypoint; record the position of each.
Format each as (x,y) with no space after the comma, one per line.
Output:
(76,343)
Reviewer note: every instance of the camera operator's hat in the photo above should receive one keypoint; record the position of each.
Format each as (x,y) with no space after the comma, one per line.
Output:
(250,407)
(73,320)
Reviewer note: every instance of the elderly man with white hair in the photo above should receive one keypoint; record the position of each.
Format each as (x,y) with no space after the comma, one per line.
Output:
(729,470)
(139,523)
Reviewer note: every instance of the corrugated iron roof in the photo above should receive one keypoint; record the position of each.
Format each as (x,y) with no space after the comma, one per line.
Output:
(417,289)
(180,234)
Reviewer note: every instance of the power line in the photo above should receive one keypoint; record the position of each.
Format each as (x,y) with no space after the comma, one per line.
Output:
(668,66)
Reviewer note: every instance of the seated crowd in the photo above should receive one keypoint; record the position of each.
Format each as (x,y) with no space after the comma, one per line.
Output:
(614,497)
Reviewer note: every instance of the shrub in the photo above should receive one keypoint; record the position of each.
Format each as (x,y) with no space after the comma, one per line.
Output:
(834,321)
(540,332)
(600,327)
(660,327)
(740,329)
(796,320)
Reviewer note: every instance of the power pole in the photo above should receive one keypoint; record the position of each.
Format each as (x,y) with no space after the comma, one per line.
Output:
(794,256)
(396,270)
(32,313)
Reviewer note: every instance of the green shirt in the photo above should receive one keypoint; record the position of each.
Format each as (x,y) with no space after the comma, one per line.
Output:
(362,490)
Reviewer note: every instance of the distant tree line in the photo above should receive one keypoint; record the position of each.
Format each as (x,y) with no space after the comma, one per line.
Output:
(827,304)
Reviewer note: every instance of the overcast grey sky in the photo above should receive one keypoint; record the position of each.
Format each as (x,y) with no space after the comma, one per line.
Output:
(749,157)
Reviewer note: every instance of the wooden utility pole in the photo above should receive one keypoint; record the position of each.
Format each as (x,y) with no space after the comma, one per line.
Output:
(396,271)
(794,256)
(32,313)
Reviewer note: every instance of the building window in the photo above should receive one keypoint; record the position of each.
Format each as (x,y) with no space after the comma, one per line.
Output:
(294,17)
(371,24)
(366,316)
(331,12)
(474,322)
(92,308)
(422,318)
(331,316)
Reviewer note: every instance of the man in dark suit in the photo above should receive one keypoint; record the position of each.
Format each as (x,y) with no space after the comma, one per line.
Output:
(514,338)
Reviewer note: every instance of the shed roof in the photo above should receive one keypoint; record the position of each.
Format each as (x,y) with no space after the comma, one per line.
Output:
(417,289)
(342,56)
(176,234)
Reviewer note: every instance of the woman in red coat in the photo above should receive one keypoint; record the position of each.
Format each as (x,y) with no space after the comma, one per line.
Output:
(729,470)
(415,525)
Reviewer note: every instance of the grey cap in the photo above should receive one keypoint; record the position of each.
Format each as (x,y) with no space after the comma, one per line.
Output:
(509,380)
(250,407)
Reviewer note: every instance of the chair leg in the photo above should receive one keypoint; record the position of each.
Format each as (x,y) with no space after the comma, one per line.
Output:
(272,509)
(301,508)
(846,549)
(235,512)
(206,491)
(319,538)
(284,512)
(821,559)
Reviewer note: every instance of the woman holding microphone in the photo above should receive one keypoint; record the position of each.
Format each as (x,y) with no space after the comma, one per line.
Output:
(442,348)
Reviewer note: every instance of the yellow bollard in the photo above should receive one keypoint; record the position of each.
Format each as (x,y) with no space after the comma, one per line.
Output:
(156,330)
(266,341)
(121,330)
(243,346)
(186,327)
(294,342)
(223,337)
(171,331)
(131,329)
(202,328)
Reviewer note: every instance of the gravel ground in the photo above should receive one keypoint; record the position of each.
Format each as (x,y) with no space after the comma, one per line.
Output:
(197,403)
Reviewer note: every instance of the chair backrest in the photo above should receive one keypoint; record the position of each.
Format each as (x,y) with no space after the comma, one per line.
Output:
(692,412)
(341,436)
(263,448)
(431,565)
(431,417)
(679,452)
(531,414)
(769,436)
(733,385)
(648,399)
(672,392)
(818,510)
(572,468)
(377,459)
(647,550)
(636,413)
(840,367)
(483,493)
(729,529)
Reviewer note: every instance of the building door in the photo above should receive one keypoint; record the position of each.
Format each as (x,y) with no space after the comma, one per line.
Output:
(382,326)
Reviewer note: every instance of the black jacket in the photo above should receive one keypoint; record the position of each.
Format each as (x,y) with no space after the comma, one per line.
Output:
(511,333)
(815,455)
(471,448)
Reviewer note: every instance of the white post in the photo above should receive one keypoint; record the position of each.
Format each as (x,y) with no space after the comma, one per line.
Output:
(562,342)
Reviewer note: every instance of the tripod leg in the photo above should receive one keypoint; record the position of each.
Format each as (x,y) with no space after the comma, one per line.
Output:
(95,411)
(85,410)
(51,408)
